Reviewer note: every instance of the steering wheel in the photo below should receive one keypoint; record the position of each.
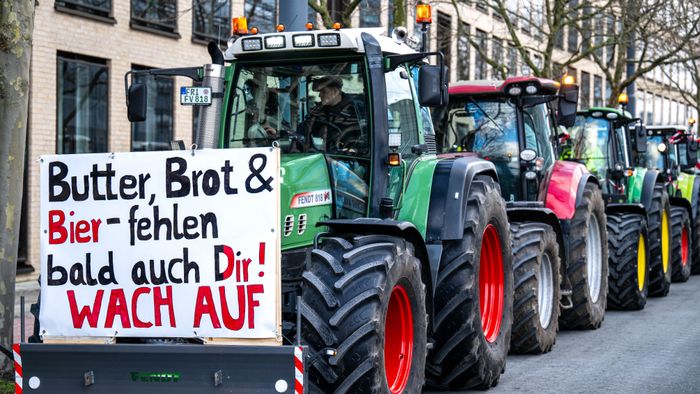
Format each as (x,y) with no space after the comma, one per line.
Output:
(348,145)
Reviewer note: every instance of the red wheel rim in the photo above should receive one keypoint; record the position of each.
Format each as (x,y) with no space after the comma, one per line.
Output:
(491,284)
(398,340)
(684,246)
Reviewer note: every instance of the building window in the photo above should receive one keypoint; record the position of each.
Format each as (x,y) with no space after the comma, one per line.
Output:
(159,16)
(370,11)
(585,89)
(525,68)
(597,91)
(512,61)
(211,20)
(479,62)
(464,52)
(572,39)
(101,8)
(156,132)
(444,37)
(261,14)
(82,104)
(497,56)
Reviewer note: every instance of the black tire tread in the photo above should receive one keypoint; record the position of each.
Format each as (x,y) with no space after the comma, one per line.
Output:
(680,219)
(584,314)
(529,242)
(624,230)
(659,282)
(461,358)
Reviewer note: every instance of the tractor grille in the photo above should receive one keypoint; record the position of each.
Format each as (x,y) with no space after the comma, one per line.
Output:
(302,224)
(288,225)
(430,141)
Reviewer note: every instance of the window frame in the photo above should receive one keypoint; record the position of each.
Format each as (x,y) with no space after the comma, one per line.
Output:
(163,29)
(75,7)
(137,67)
(202,38)
(88,60)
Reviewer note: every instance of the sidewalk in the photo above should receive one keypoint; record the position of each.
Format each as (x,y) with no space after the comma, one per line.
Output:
(30,291)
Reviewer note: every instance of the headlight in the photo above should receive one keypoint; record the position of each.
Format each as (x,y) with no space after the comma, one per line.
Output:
(274,42)
(252,44)
(303,40)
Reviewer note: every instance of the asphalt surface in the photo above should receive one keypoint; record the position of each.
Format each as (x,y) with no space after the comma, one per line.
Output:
(656,350)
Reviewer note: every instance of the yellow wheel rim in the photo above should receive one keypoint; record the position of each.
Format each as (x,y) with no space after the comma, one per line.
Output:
(665,240)
(641,262)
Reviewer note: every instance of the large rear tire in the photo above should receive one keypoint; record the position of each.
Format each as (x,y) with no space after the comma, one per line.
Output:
(588,262)
(628,256)
(681,252)
(474,297)
(659,243)
(537,280)
(363,298)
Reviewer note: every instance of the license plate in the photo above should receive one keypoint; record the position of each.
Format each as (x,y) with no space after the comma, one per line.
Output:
(195,95)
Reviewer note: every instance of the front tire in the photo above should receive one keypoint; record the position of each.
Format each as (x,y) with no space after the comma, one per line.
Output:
(363,298)
(537,280)
(588,262)
(474,297)
(659,243)
(628,277)
(681,252)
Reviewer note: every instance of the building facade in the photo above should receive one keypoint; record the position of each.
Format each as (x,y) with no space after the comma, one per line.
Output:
(83,48)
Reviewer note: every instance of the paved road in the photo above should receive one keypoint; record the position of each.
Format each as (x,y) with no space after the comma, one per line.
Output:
(656,350)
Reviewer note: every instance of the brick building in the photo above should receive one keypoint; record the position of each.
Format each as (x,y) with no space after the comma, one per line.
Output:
(83,48)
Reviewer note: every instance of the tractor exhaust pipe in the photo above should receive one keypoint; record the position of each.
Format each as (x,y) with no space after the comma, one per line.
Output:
(210,116)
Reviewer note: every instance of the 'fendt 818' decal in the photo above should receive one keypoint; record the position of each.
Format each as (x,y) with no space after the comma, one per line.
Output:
(157,377)
(311,199)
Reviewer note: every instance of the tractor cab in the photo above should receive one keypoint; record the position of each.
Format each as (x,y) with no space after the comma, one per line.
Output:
(671,150)
(607,141)
(512,123)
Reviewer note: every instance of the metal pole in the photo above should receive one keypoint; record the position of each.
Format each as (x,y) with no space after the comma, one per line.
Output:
(294,14)
(21,319)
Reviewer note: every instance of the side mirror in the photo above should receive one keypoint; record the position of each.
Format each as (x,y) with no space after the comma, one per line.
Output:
(432,86)
(137,103)
(640,137)
(568,101)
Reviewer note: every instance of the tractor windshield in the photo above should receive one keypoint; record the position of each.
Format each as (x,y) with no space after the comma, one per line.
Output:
(591,143)
(654,157)
(305,107)
(487,127)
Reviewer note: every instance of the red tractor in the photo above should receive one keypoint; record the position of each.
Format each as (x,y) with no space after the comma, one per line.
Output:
(556,209)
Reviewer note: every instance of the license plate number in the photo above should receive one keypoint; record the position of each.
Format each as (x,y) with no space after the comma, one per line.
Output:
(195,95)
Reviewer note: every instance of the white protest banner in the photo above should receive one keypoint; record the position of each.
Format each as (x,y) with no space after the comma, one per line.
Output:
(161,244)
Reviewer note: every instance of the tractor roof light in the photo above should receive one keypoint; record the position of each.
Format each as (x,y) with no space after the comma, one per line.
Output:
(274,42)
(280,28)
(531,89)
(423,13)
(515,90)
(623,99)
(303,40)
(253,30)
(329,40)
(240,25)
(309,26)
(337,26)
(691,121)
(662,147)
(251,44)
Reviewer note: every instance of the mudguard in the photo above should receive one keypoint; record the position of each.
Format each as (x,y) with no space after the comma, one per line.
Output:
(565,188)
(682,202)
(689,185)
(626,208)
(635,184)
(651,178)
(451,183)
(533,212)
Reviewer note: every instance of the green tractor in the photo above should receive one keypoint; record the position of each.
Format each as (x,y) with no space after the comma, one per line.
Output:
(610,142)
(677,155)
(396,263)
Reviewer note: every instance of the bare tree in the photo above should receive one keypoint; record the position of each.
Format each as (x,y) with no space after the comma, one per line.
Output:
(332,11)
(16,25)
(646,35)
(692,96)
(537,30)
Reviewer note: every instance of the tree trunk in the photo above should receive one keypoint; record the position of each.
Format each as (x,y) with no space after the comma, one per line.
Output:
(16,26)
